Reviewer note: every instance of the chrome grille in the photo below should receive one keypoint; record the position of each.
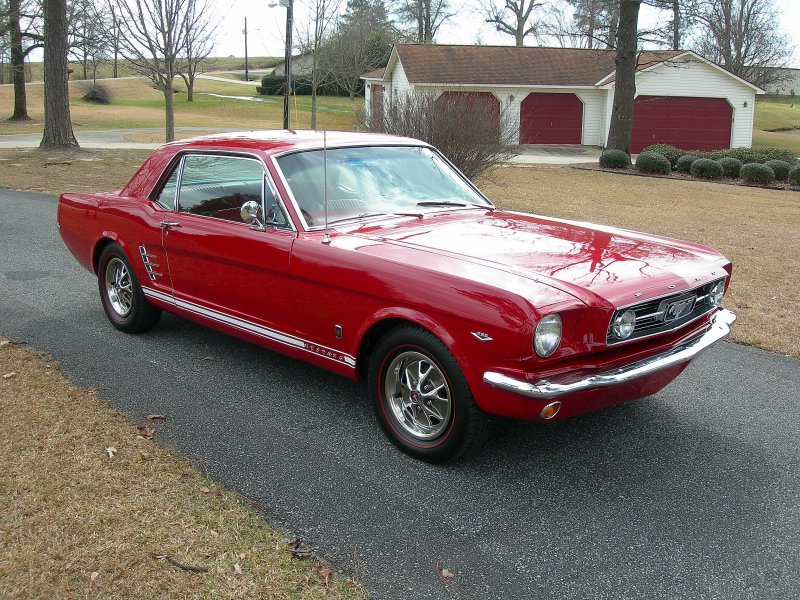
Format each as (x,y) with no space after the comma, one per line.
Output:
(651,317)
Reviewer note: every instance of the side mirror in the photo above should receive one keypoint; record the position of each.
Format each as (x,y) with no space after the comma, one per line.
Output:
(251,211)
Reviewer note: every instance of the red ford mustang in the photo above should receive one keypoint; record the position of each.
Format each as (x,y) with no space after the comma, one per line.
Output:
(373,257)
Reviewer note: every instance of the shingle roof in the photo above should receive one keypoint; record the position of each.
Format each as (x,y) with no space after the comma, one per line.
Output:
(376,74)
(512,65)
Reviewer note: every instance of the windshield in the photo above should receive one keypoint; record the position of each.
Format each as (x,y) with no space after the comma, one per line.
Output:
(376,180)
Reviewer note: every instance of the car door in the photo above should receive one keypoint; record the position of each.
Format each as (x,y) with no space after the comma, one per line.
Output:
(221,267)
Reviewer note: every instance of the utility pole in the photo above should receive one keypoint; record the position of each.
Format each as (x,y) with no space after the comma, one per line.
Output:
(244,31)
(288,62)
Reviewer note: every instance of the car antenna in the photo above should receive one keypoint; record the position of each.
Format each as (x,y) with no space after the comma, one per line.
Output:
(326,238)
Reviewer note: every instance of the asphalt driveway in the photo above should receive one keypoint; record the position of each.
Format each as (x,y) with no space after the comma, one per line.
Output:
(693,493)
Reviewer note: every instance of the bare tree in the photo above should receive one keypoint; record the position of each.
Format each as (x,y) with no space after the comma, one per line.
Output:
(743,36)
(626,59)
(426,15)
(362,42)
(513,17)
(675,23)
(115,38)
(595,22)
(312,39)
(23,24)
(57,122)
(90,38)
(469,130)
(152,36)
(199,42)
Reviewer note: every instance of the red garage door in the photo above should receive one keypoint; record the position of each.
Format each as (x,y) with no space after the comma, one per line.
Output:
(687,123)
(550,119)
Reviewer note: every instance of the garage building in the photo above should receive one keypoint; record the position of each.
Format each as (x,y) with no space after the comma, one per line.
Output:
(565,95)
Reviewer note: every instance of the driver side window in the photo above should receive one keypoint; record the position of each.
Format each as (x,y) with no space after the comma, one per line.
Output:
(217,186)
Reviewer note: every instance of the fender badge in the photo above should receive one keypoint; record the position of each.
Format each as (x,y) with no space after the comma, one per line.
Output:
(484,337)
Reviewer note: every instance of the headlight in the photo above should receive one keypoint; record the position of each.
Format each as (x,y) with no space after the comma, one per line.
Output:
(547,336)
(716,292)
(622,327)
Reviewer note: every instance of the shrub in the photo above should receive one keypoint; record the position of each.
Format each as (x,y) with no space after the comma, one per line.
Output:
(671,153)
(684,163)
(652,162)
(781,169)
(96,94)
(467,129)
(705,168)
(757,173)
(730,166)
(755,155)
(794,176)
(615,159)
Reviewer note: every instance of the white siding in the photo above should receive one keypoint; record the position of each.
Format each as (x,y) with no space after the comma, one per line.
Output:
(368,98)
(400,87)
(700,80)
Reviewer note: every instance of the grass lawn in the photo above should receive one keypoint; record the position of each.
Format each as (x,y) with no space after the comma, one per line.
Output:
(777,114)
(92,508)
(136,104)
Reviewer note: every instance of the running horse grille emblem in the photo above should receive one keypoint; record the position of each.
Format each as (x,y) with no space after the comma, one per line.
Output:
(676,309)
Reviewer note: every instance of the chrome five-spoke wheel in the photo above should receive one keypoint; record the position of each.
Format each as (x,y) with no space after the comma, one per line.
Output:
(421,398)
(418,395)
(123,298)
(119,289)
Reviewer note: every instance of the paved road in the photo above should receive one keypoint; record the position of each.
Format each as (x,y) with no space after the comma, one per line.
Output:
(690,494)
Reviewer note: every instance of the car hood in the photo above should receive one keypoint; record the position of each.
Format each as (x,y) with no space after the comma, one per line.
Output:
(593,263)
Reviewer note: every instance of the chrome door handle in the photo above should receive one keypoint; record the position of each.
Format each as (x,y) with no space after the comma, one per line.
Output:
(165,224)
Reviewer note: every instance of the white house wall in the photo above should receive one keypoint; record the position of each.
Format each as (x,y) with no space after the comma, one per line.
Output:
(699,80)
(400,87)
(511,98)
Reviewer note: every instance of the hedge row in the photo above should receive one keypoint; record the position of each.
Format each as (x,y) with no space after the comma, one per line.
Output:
(746,155)
(706,168)
(273,85)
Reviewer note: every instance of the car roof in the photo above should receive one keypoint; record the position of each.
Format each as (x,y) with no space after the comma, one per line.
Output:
(271,141)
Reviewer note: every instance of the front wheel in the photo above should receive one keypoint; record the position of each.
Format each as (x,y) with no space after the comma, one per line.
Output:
(421,398)
(122,296)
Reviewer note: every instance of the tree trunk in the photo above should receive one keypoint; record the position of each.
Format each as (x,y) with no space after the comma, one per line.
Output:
(420,26)
(169,107)
(676,25)
(17,64)
(621,126)
(313,105)
(57,122)
(189,81)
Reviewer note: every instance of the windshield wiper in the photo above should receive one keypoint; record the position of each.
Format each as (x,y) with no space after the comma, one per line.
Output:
(376,214)
(440,203)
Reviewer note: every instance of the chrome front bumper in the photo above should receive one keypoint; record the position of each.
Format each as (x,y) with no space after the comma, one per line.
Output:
(545,390)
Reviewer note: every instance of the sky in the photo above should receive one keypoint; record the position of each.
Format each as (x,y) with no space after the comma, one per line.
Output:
(266,26)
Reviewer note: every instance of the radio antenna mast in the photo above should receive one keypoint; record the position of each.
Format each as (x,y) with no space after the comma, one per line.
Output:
(326,238)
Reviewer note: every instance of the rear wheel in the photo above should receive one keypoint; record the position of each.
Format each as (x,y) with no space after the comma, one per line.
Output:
(421,398)
(123,298)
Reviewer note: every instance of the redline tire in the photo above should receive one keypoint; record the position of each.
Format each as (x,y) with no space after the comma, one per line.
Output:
(421,399)
(122,296)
